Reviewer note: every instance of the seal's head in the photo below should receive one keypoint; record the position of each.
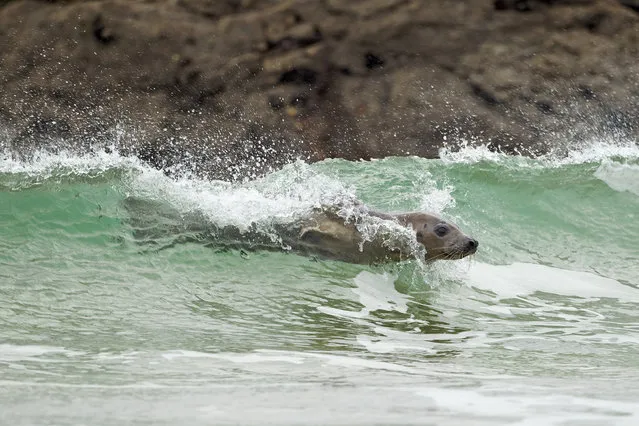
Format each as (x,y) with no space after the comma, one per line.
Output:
(442,240)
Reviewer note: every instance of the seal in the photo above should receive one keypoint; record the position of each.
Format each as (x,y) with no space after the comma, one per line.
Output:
(329,235)
(363,236)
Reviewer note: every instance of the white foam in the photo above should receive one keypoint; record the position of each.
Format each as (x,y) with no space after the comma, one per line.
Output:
(536,409)
(288,193)
(470,154)
(589,152)
(619,176)
(13,353)
(520,279)
(375,292)
(45,164)
(436,200)
(599,150)
(250,358)
(297,358)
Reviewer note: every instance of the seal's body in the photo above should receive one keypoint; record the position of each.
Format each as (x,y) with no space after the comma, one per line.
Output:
(364,237)
(329,235)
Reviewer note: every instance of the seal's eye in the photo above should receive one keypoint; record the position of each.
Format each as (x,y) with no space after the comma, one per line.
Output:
(441,230)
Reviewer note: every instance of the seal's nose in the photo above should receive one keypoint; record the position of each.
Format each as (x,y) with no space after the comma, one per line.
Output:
(472,244)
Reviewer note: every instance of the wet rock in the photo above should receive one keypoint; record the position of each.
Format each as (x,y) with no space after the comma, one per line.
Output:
(236,87)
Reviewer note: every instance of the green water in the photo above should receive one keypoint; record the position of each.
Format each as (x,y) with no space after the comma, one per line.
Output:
(540,327)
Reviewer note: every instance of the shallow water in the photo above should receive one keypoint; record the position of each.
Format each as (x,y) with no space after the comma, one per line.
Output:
(540,327)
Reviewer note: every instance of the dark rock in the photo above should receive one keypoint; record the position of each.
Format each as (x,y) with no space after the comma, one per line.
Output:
(234,87)
(632,4)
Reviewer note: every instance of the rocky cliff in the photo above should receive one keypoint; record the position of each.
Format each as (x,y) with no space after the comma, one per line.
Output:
(246,84)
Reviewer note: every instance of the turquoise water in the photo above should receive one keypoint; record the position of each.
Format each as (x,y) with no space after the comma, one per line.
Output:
(540,327)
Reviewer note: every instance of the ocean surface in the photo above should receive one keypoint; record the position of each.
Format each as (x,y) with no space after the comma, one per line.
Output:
(111,315)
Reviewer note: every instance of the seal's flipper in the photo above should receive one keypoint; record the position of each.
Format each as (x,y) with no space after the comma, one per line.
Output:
(314,235)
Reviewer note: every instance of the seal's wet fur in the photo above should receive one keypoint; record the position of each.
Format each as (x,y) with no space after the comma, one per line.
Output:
(330,235)
(325,233)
